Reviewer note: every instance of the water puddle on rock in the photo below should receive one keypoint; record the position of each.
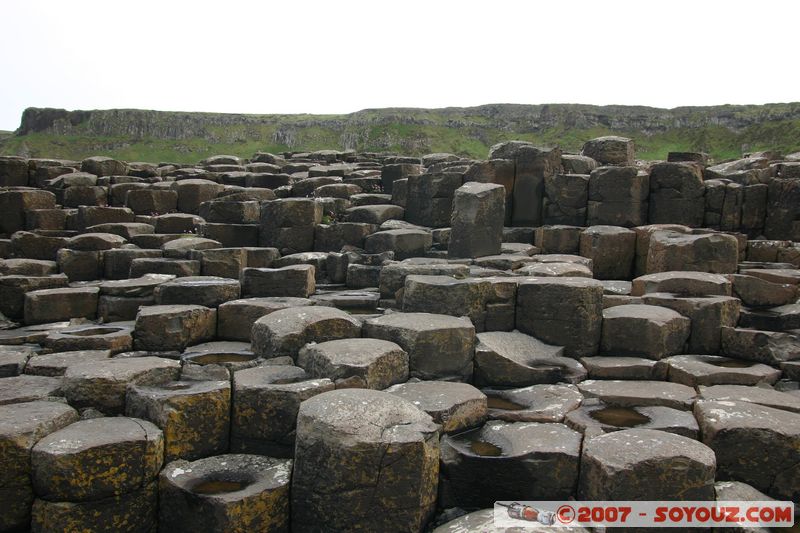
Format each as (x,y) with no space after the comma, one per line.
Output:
(731,363)
(218,358)
(92,331)
(478,445)
(498,402)
(218,486)
(623,417)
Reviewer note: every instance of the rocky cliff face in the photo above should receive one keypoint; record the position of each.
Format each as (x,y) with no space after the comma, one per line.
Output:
(468,131)
(509,117)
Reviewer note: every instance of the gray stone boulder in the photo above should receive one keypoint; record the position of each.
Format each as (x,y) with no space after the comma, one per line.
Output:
(438,346)
(235,319)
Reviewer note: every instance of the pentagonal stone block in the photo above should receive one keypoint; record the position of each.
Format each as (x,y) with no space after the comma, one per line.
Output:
(677,194)
(456,406)
(21,426)
(173,327)
(296,281)
(644,330)
(363,363)
(565,312)
(267,400)
(501,459)
(15,202)
(54,305)
(617,197)
(232,492)
(151,201)
(438,346)
(349,445)
(97,458)
(622,466)
(194,416)
(285,331)
(235,319)
(755,444)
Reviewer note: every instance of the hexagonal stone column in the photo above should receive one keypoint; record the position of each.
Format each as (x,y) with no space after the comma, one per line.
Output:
(173,327)
(358,450)
(438,346)
(639,393)
(501,460)
(194,415)
(266,402)
(361,363)
(232,492)
(755,444)
(285,331)
(565,312)
(21,426)
(644,330)
(624,464)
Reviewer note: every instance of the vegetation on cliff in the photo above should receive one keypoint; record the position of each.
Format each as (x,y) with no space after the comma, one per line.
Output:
(138,135)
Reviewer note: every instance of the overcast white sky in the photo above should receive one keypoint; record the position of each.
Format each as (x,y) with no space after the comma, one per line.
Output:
(296,56)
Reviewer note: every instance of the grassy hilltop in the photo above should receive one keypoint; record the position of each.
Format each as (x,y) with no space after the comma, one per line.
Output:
(139,135)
